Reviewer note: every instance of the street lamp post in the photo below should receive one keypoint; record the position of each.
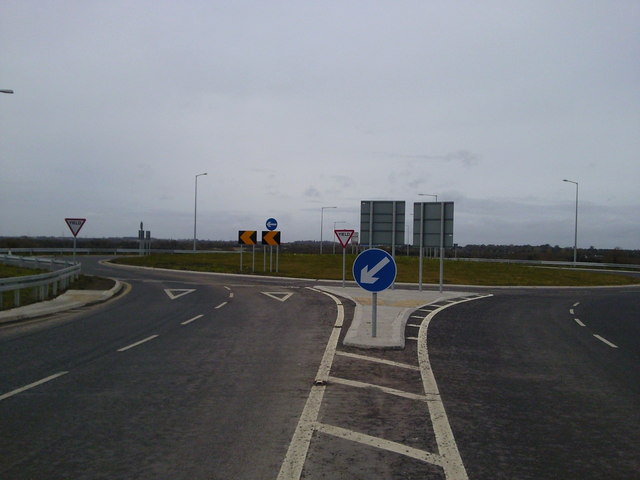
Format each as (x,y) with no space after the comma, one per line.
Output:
(195,210)
(575,237)
(6,90)
(321,224)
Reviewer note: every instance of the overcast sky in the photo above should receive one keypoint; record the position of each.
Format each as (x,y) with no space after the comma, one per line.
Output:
(290,106)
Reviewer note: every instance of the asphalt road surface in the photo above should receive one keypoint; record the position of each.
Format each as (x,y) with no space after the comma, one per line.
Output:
(206,377)
(209,384)
(543,385)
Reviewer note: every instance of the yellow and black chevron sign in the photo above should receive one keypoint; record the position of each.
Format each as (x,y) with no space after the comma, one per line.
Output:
(247,237)
(271,237)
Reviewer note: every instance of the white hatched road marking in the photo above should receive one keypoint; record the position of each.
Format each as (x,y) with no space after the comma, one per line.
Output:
(448,456)
(577,320)
(378,360)
(380,443)
(390,391)
(293,463)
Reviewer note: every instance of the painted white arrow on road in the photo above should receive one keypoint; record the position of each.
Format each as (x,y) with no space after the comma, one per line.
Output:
(367,276)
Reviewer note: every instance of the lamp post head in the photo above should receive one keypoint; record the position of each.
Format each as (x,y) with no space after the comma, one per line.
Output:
(6,90)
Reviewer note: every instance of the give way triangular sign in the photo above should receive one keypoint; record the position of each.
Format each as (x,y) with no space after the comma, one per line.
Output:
(75,224)
(344,236)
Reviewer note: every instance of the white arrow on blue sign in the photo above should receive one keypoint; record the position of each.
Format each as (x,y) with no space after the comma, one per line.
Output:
(374,270)
(271,224)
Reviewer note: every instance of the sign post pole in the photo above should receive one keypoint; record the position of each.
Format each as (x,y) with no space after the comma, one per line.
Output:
(374,314)
(344,236)
(75,224)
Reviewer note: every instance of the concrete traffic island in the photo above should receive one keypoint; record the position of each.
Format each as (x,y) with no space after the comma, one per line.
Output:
(394,306)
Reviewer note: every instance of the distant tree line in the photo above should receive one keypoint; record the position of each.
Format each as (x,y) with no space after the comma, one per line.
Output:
(515,252)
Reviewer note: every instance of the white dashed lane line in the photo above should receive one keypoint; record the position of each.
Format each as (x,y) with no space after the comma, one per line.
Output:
(582,324)
(31,385)
(123,349)
(605,341)
(187,322)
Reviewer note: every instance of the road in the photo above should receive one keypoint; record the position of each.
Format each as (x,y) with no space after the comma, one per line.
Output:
(543,385)
(204,376)
(215,391)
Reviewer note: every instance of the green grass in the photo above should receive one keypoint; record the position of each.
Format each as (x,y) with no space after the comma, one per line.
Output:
(329,266)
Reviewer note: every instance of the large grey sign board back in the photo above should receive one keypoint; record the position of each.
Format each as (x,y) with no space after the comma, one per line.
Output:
(427,221)
(382,222)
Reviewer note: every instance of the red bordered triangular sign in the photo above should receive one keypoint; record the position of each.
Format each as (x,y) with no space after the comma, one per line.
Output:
(75,224)
(344,236)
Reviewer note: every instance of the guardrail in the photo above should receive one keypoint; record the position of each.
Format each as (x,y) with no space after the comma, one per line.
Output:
(62,274)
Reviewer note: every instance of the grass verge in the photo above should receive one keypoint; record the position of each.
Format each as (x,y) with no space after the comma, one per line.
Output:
(329,267)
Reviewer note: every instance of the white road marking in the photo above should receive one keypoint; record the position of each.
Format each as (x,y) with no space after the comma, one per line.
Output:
(378,360)
(604,340)
(447,448)
(280,296)
(571,311)
(137,343)
(221,305)
(576,304)
(577,320)
(230,294)
(293,463)
(390,391)
(412,338)
(187,322)
(31,385)
(380,443)
(174,293)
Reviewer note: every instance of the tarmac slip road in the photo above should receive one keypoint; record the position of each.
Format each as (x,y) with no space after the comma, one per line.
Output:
(531,389)
(174,380)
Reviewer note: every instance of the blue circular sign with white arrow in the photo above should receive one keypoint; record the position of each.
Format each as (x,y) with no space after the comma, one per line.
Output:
(374,270)
(271,224)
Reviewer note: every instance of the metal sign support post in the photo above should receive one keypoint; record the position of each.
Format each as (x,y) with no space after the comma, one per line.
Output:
(253,258)
(374,314)
(441,245)
(241,249)
(344,262)
(421,246)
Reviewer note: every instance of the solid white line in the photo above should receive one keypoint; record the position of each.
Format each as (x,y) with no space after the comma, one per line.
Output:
(604,340)
(221,305)
(577,320)
(187,322)
(412,338)
(447,448)
(293,463)
(137,343)
(390,391)
(378,360)
(31,385)
(381,443)
(414,326)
